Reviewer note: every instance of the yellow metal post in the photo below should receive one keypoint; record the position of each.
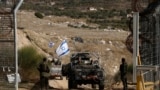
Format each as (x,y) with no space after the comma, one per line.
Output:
(139,83)
(140,80)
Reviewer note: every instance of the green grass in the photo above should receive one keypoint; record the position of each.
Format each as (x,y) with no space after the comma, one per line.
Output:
(28,59)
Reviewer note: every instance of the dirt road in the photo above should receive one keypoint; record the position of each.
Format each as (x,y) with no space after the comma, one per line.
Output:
(63,85)
(59,84)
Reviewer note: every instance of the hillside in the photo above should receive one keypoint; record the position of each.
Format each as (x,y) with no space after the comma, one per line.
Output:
(104,13)
(108,44)
(107,4)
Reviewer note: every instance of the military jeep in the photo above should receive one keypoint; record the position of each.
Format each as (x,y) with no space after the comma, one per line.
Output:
(56,69)
(83,70)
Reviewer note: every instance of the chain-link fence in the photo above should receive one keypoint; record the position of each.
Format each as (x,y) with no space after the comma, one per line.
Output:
(7,44)
(148,41)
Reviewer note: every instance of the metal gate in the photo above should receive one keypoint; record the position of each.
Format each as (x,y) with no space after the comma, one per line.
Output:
(8,63)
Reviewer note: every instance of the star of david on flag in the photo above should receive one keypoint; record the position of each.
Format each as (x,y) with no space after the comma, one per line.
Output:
(62,49)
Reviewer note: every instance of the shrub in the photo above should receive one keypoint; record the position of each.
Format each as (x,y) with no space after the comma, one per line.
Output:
(123,13)
(39,15)
(128,11)
(117,77)
(130,68)
(28,57)
(28,60)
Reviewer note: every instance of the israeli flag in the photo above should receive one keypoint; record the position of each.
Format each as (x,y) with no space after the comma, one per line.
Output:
(62,49)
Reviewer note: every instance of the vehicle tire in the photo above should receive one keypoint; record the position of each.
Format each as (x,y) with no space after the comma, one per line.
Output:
(101,86)
(93,86)
(61,78)
(72,84)
(64,70)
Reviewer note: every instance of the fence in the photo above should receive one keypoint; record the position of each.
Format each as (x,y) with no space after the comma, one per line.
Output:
(145,40)
(8,44)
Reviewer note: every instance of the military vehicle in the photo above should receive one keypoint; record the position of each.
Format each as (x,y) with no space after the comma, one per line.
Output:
(56,69)
(83,70)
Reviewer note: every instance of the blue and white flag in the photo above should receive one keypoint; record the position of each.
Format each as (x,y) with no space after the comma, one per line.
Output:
(51,44)
(62,49)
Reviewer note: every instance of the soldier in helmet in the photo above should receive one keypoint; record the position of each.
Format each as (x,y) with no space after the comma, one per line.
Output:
(123,72)
(44,74)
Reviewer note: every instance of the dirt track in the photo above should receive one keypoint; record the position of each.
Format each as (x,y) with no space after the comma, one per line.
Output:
(63,85)
(54,85)
(59,84)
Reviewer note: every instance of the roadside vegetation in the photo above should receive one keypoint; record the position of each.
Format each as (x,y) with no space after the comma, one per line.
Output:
(129,74)
(29,59)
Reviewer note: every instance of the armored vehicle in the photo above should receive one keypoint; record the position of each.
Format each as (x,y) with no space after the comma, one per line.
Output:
(83,70)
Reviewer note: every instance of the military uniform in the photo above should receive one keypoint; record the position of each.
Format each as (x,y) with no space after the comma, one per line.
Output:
(44,74)
(123,71)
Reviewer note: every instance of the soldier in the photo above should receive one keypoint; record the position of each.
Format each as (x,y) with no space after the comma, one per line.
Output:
(123,71)
(44,74)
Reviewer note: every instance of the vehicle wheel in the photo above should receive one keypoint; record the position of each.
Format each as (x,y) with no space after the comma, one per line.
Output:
(61,78)
(101,86)
(69,84)
(93,86)
(64,72)
(72,84)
